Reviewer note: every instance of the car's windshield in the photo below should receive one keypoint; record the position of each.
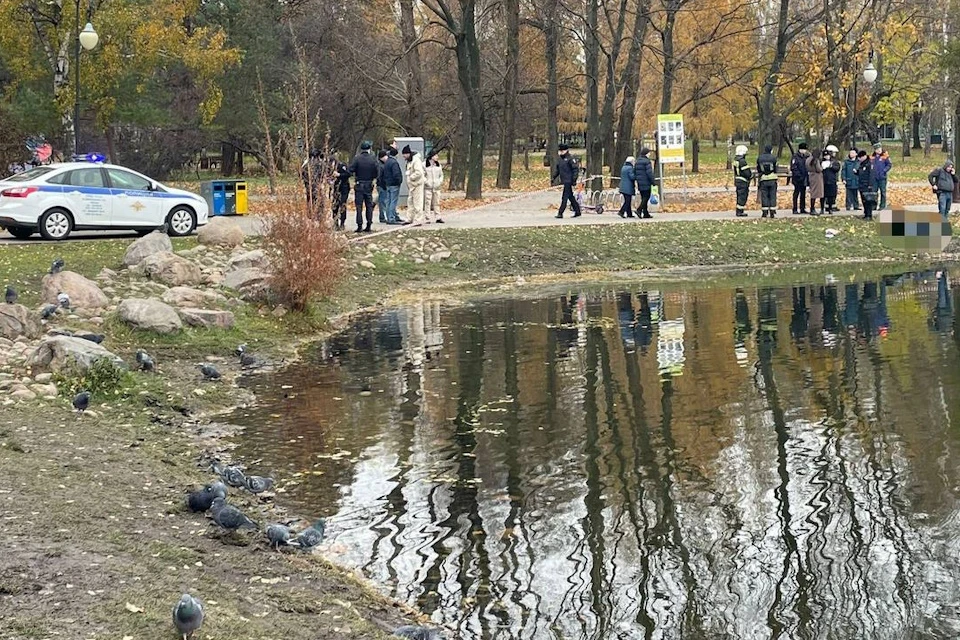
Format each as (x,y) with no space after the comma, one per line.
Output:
(26,176)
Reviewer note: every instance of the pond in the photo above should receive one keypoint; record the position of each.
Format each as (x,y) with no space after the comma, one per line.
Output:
(637,461)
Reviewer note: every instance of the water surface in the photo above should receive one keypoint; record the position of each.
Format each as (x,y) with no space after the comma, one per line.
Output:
(629,462)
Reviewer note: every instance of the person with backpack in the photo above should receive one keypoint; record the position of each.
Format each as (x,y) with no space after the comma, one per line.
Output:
(645,179)
(742,175)
(567,170)
(627,179)
(944,182)
(831,170)
(799,177)
(341,193)
(767,182)
(867,184)
(850,181)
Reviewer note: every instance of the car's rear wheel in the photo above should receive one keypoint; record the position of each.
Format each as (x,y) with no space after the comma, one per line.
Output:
(181,221)
(56,224)
(21,233)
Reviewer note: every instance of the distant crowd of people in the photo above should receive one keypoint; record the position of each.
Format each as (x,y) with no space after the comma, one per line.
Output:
(424,179)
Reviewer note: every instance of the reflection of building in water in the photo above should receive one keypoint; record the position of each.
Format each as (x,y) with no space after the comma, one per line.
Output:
(670,356)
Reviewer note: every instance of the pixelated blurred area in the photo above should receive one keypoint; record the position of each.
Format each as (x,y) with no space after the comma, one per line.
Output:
(913,231)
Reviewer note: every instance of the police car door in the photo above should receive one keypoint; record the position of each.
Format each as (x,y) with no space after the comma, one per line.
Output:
(134,204)
(86,191)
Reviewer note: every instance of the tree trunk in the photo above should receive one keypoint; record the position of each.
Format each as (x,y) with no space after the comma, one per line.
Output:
(956,121)
(905,140)
(917,117)
(768,122)
(592,54)
(610,158)
(408,34)
(458,166)
(511,9)
(551,37)
(666,36)
(695,151)
(227,157)
(928,139)
(631,81)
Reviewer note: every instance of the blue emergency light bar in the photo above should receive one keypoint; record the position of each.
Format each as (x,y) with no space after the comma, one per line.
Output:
(89,157)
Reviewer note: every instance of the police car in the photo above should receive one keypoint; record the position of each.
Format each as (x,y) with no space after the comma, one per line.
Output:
(58,199)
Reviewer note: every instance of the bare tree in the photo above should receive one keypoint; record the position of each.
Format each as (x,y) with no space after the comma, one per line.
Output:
(511,82)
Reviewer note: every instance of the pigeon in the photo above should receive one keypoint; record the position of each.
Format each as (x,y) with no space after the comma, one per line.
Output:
(414,632)
(233,476)
(203,499)
(229,517)
(57,266)
(95,338)
(63,300)
(162,228)
(82,401)
(11,295)
(278,534)
(258,484)
(144,361)
(187,615)
(311,536)
(48,311)
(209,372)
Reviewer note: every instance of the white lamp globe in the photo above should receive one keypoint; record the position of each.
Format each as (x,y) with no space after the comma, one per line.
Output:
(89,37)
(870,73)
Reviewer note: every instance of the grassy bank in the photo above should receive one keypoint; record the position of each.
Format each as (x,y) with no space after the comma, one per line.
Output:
(98,544)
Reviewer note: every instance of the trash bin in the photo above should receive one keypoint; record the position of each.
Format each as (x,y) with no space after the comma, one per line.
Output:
(225,197)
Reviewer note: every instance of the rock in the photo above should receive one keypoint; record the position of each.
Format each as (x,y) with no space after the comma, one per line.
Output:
(418,260)
(221,232)
(43,378)
(84,294)
(249,260)
(439,255)
(279,312)
(171,269)
(148,245)
(366,264)
(16,321)
(207,318)
(251,284)
(214,278)
(193,253)
(45,390)
(149,314)
(23,394)
(188,297)
(107,274)
(56,352)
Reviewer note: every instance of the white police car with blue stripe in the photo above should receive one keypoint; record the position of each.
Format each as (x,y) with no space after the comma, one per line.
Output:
(58,199)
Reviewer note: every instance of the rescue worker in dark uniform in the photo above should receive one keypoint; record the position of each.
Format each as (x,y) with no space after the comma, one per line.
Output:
(767,182)
(310,173)
(567,170)
(364,169)
(341,193)
(742,175)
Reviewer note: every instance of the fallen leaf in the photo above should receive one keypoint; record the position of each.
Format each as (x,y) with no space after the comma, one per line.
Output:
(132,608)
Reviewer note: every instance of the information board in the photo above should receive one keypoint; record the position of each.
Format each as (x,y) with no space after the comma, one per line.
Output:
(671,138)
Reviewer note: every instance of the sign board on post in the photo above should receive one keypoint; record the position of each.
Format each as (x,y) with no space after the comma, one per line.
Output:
(671,138)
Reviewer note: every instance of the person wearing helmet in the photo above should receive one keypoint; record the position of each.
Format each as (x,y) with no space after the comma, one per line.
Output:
(742,174)
(831,171)
(767,182)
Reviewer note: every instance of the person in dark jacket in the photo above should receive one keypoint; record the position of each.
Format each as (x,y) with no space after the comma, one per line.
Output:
(831,171)
(867,184)
(567,171)
(799,176)
(767,182)
(627,178)
(392,179)
(882,166)
(850,181)
(382,197)
(742,175)
(341,193)
(645,181)
(944,181)
(310,173)
(364,169)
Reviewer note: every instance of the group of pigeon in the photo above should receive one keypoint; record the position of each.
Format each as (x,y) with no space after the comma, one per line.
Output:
(63,300)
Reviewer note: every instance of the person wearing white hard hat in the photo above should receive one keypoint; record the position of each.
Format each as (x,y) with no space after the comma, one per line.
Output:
(742,174)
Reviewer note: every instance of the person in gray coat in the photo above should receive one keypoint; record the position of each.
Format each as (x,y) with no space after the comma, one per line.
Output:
(643,172)
(944,180)
(627,178)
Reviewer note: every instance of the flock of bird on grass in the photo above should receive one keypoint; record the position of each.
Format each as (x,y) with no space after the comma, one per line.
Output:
(188,613)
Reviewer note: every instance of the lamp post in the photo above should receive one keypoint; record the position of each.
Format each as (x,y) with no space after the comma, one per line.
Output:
(870,76)
(87,39)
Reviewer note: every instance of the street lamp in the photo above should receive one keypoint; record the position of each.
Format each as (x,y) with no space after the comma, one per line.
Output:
(87,39)
(870,76)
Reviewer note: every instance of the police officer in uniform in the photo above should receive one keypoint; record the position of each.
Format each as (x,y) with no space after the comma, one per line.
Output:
(742,175)
(567,170)
(365,170)
(767,182)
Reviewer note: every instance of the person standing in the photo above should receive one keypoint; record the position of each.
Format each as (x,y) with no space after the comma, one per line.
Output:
(392,179)
(815,181)
(341,193)
(767,182)
(944,181)
(850,181)
(383,200)
(645,179)
(433,184)
(867,184)
(567,170)
(831,171)
(364,169)
(310,173)
(742,175)
(798,176)
(882,166)
(627,178)
(416,176)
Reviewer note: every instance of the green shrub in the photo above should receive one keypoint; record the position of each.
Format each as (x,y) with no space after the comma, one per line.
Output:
(101,379)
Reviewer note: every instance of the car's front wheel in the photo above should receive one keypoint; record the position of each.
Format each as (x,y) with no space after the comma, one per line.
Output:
(181,222)
(56,224)
(21,233)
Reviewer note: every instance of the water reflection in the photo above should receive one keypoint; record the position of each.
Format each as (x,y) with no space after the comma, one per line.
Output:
(703,463)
